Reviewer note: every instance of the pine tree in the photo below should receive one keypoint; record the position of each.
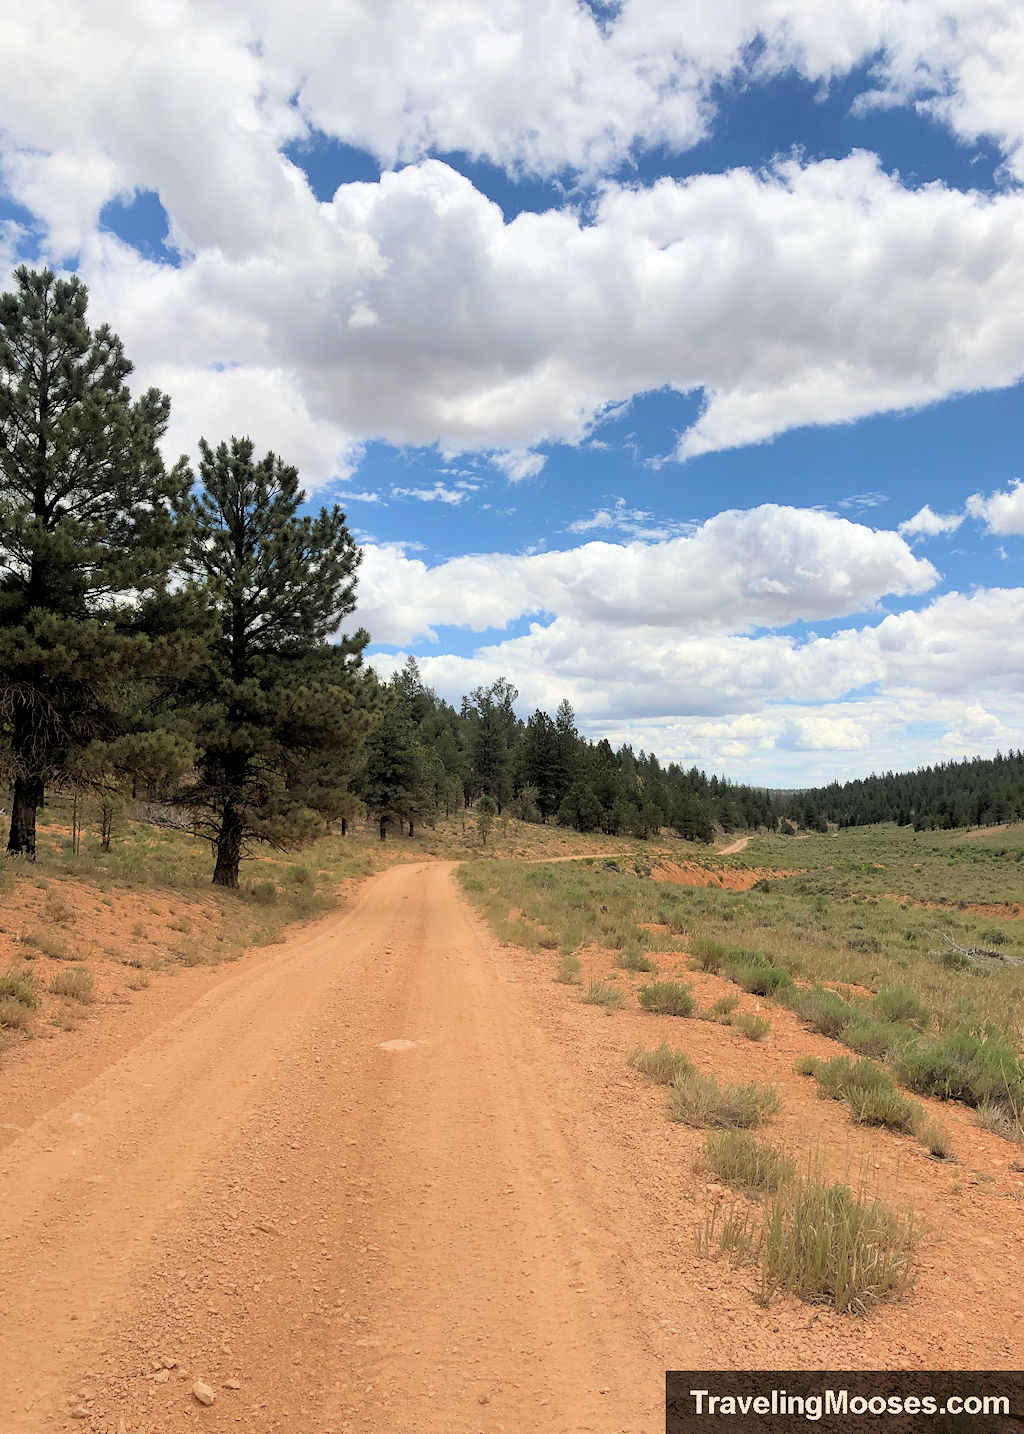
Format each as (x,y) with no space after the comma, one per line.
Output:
(282,711)
(389,778)
(89,529)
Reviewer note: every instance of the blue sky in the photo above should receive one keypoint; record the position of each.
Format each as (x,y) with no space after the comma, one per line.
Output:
(662,359)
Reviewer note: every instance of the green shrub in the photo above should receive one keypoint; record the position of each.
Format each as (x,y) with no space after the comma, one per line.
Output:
(709,955)
(737,1159)
(700,1100)
(600,993)
(264,893)
(49,943)
(568,972)
(662,1064)
(720,1010)
(821,1009)
(753,1025)
(963,1066)
(759,977)
(869,1092)
(899,1004)
(881,1039)
(632,959)
(667,998)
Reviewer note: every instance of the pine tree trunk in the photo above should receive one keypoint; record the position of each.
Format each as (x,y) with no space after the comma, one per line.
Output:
(383,828)
(344,826)
(410,826)
(229,848)
(28,797)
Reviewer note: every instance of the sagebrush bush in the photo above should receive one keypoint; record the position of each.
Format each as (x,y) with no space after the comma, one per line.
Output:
(753,1025)
(900,1004)
(720,1010)
(700,1100)
(667,998)
(631,958)
(602,993)
(77,984)
(662,1064)
(568,972)
(709,955)
(737,1158)
(821,1009)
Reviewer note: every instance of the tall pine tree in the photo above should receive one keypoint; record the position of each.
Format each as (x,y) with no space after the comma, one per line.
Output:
(281,711)
(89,529)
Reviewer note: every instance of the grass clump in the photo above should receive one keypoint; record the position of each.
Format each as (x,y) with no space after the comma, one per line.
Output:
(739,1160)
(701,1101)
(662,1064)
(720,1010)
(667,998)
(76,984)
(631,958)
(753,1024)
(1001,1119)
(600,993)
(935,1138)
(709,955)
(568,973)
(828,1244)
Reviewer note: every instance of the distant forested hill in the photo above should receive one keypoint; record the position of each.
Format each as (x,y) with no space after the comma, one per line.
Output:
(981,791)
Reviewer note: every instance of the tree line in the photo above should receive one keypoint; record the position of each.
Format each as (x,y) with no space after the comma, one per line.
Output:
(427,758)
(974,792)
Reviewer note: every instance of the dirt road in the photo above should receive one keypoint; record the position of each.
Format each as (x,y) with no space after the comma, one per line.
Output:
(347,1189)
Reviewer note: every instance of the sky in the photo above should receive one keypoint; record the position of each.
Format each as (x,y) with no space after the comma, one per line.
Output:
(665,357)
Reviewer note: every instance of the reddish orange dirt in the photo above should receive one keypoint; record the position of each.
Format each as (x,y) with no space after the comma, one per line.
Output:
(1010,910)
(389,1178)
(692,873)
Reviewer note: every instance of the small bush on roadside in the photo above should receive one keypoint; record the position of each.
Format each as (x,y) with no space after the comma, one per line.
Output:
(828,1244)
(753,1025)
(14,1014)
(264,893)
(662,1064)
(17,986)
(935,1138)
(700,1100)
(76,984)
(599,993)
(1001,1119)
(569,969)
(667,998)
(737,1159)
